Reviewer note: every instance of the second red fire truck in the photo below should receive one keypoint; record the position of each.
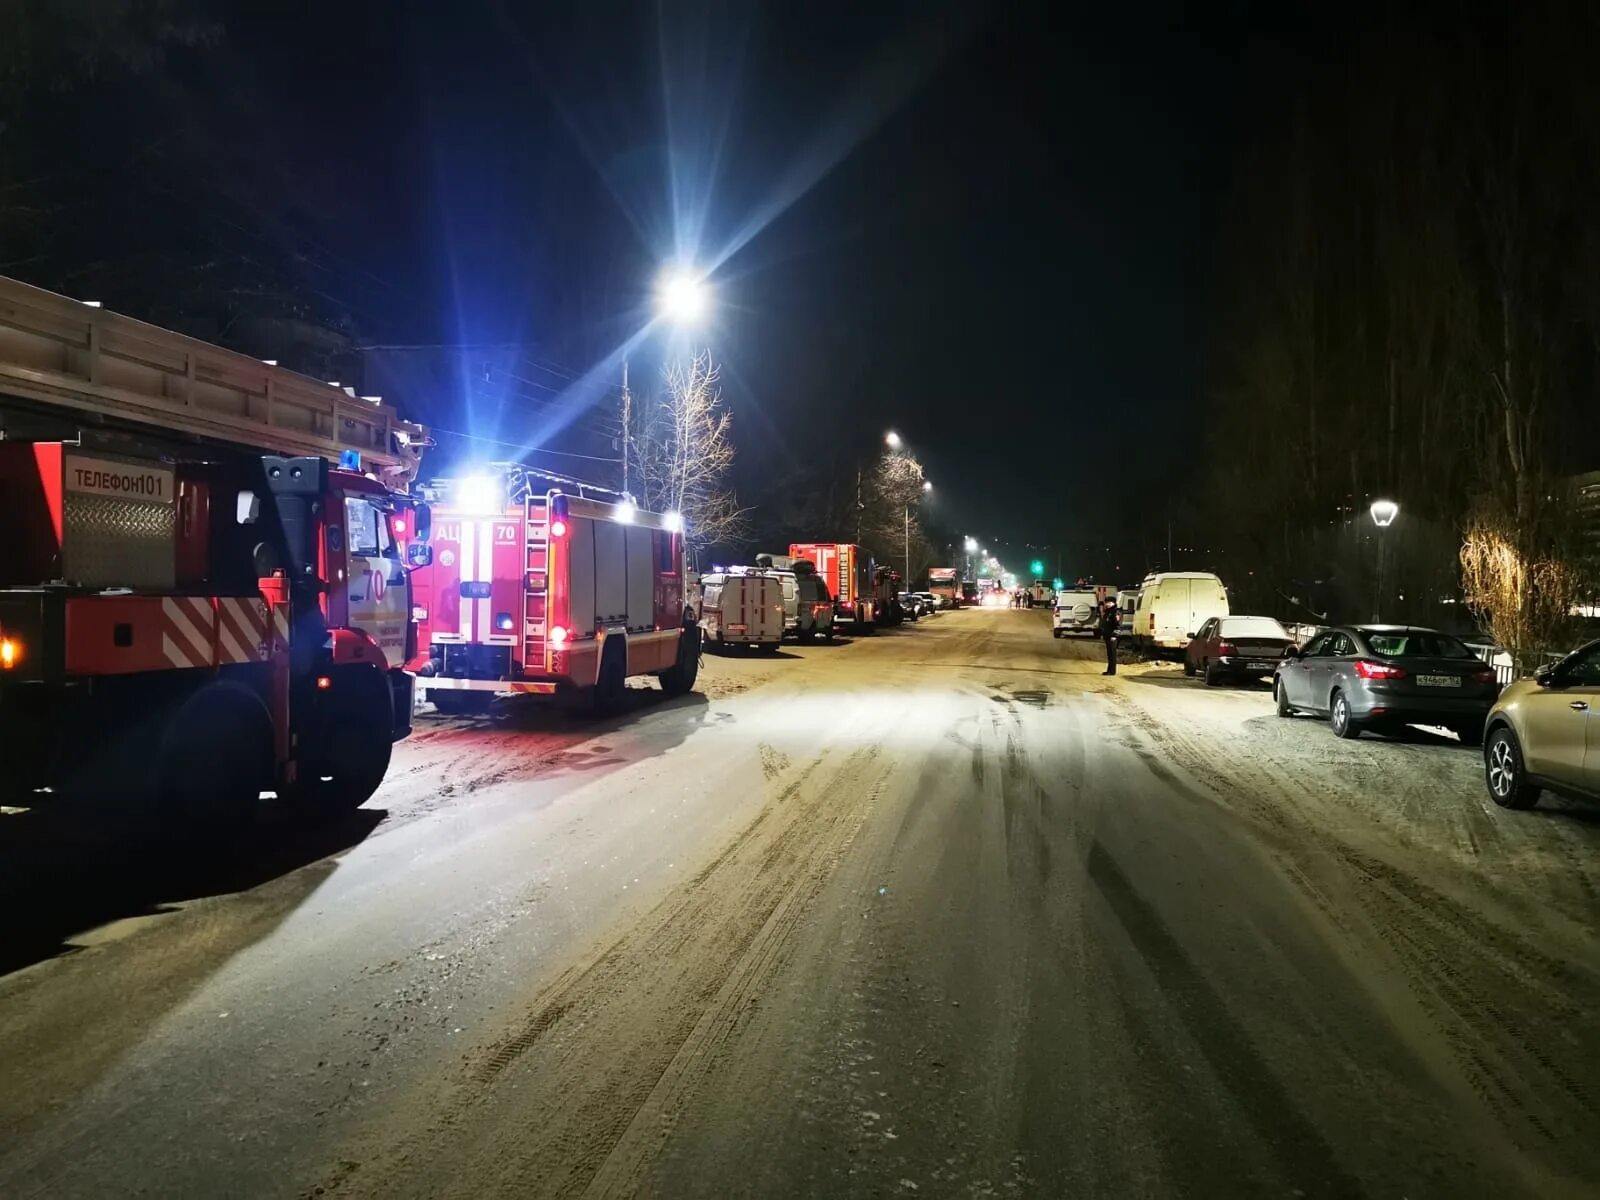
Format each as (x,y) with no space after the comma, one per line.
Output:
(548,586)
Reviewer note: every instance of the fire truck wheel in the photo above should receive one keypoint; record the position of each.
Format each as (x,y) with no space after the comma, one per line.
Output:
(678,679)
(352,749)
(217,757)
(611,686)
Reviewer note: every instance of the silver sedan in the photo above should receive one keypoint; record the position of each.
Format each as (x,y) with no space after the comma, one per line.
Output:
(1382,677)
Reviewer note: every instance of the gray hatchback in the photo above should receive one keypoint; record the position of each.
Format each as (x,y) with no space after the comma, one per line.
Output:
(1381,677)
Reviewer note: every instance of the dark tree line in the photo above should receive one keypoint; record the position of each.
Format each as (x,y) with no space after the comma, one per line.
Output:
(1412,307)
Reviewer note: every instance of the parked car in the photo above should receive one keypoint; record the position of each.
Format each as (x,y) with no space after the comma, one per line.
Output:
(1127,607)
(1077,610)
(1382,677)
(930,602)
(1174,604)
(1544,732)
(1236,648)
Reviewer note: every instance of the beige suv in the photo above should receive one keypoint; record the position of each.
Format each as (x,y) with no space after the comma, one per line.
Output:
(1544,732)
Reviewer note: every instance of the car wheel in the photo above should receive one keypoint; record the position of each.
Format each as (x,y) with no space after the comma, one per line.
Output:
(1188,667)
(1504,772)
(1213,675)
(1285,709)
(1340,720)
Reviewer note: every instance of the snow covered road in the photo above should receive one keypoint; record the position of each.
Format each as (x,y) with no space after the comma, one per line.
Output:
(940,912)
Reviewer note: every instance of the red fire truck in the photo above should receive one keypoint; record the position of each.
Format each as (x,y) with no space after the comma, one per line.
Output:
(859,594)
(196,605)
(544,585)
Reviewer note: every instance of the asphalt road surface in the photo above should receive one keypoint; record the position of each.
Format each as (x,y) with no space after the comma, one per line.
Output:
(937,913)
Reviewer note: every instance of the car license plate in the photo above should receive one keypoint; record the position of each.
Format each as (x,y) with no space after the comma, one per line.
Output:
(1260,666)
(1439,680)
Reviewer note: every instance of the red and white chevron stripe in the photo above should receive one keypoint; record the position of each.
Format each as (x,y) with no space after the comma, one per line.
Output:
(211,631)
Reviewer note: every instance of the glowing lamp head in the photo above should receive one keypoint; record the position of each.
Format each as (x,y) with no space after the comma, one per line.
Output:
(479,494)
(892,440)
(1384,512)
(672,522)
(683,297)
(558,528)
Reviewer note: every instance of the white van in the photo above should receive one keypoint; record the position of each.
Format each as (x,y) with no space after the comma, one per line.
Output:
(791,593)
(1173,604)
(1127,608)
(743,608)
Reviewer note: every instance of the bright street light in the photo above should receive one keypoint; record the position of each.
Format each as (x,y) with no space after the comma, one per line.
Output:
(683,297)
(1383,514)
(972,545)
(892,440)
(927,485)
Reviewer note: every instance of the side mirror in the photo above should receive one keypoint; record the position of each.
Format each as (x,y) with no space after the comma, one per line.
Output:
(419,554)
(422,524)
(1291,651)
(1191,635)
(1545,676)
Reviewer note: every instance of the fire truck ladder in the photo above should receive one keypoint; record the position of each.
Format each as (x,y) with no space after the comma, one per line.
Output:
(533,489)
(58,353)
(536,590)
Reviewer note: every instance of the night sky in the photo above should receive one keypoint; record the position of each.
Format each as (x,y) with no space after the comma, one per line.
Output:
(991,228)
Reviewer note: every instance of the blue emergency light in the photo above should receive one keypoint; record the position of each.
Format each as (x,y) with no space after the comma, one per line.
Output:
(350,460)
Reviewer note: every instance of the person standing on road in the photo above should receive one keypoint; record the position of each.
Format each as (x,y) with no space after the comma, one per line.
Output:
(1108,633)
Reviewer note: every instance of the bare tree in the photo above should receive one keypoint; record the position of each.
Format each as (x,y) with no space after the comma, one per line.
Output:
(683,451)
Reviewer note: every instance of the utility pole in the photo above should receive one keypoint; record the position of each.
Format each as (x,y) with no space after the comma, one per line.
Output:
(908,548)
(858,506)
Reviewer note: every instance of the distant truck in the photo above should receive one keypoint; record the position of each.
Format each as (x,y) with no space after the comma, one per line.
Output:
(851,576)
(945,583)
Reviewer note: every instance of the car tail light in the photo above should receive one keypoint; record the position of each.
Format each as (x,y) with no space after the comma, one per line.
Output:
(558,516)
(1227,648)
(1484,675)
(558,635)
(1377,670)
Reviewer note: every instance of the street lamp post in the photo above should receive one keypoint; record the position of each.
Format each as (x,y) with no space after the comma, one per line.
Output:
(682,298)
(1383,514)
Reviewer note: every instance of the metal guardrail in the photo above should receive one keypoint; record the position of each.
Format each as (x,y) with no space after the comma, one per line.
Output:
(1504,670)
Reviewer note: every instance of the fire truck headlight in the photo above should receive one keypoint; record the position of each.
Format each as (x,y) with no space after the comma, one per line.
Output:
(479,495)
(673,522)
